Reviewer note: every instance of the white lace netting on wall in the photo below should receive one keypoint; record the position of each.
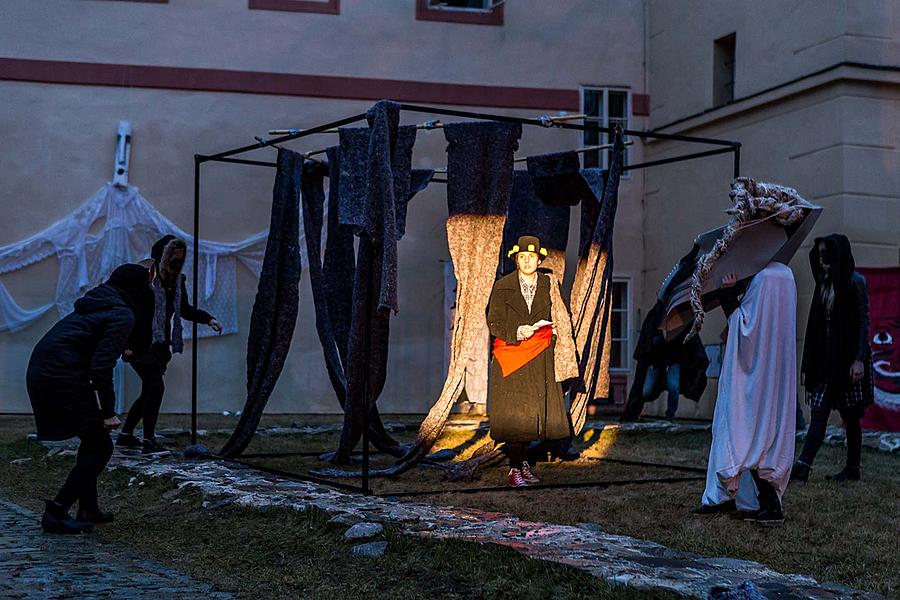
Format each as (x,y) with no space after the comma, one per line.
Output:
(131,225)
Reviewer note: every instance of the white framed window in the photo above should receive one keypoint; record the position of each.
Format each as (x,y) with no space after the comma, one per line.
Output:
(606,107)
(620,324)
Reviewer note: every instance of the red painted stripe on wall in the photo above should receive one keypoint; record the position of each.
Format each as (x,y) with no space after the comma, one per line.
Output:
(284,84)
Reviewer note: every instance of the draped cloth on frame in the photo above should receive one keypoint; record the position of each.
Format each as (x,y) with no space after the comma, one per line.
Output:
(591,300)
(313,198)
(479,182)
(374,189)
(331,279)
(277,301)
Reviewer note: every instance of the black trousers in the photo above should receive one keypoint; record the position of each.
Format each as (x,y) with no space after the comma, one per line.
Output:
(818,422)
(515,452)
(93,455)
(147,405)
(766,494)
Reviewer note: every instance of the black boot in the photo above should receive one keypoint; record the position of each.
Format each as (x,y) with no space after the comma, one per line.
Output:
(153,448)
(57,520)
(800,471)
(94,516)
(127,440)
(728,506)
(848,474)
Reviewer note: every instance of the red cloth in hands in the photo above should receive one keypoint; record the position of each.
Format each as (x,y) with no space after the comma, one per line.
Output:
(514,357)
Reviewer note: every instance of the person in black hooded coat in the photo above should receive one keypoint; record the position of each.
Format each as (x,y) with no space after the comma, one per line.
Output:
(837,360)
(70,385)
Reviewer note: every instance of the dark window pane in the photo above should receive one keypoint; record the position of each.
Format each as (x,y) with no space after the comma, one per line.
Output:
(593,102)
(592,159)
(615,355)
(617,321)
(591,137)
(620,291)
(617,105)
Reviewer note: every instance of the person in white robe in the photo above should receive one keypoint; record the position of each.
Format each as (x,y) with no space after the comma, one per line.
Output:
(755,416)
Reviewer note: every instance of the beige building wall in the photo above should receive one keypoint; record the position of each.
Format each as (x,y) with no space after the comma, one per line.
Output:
(59,142)
(817,108)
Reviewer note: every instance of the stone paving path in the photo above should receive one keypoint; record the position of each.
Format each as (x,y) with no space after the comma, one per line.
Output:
(620,559)
(34,565)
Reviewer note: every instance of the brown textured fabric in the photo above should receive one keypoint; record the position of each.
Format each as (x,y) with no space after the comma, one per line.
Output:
(592,300)
(565,358)
(469,236)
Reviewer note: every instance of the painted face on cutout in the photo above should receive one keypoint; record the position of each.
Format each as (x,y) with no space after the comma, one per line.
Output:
(886,360)
(527,262)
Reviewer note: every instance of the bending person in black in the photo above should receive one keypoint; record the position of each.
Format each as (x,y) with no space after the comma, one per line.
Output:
(70,384)
(150,357)
(837,360)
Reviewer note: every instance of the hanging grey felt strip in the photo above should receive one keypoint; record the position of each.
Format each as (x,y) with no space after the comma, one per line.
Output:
(480,166)
(557,178)
(275,309)
(312,185)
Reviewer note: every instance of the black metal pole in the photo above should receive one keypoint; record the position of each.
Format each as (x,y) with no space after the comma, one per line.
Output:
(367,341)
(680,158)
(737,161)
(590,126)
(287,138)
(195,296)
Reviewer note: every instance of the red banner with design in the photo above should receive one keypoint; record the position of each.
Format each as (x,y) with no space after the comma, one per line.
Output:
(884,339)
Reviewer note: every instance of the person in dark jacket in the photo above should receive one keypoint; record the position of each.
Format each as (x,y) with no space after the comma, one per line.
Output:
(837,360)
(150,356)
(526,400)
(676,366)
(70,384)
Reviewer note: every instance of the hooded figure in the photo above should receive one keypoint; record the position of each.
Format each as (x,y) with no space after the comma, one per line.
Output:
(525,313)
(837,360)
(70,384)
(152,350)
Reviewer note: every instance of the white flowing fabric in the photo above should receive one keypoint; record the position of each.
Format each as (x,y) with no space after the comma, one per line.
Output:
(130,226)
(755,417)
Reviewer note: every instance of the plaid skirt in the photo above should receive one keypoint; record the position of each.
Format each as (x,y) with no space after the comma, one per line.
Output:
(857,397)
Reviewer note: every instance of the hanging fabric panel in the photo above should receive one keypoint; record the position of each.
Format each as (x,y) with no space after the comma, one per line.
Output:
(592,298)
(277,301)
(374,188)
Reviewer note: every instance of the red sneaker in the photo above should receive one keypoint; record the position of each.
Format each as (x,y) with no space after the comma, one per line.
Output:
(527,474)
(516,479)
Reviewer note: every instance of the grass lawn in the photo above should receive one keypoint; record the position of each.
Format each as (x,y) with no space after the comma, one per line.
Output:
(286,554)
(843,533)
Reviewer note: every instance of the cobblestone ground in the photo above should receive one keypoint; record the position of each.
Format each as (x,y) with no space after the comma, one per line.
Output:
(34,565)
(620,559)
